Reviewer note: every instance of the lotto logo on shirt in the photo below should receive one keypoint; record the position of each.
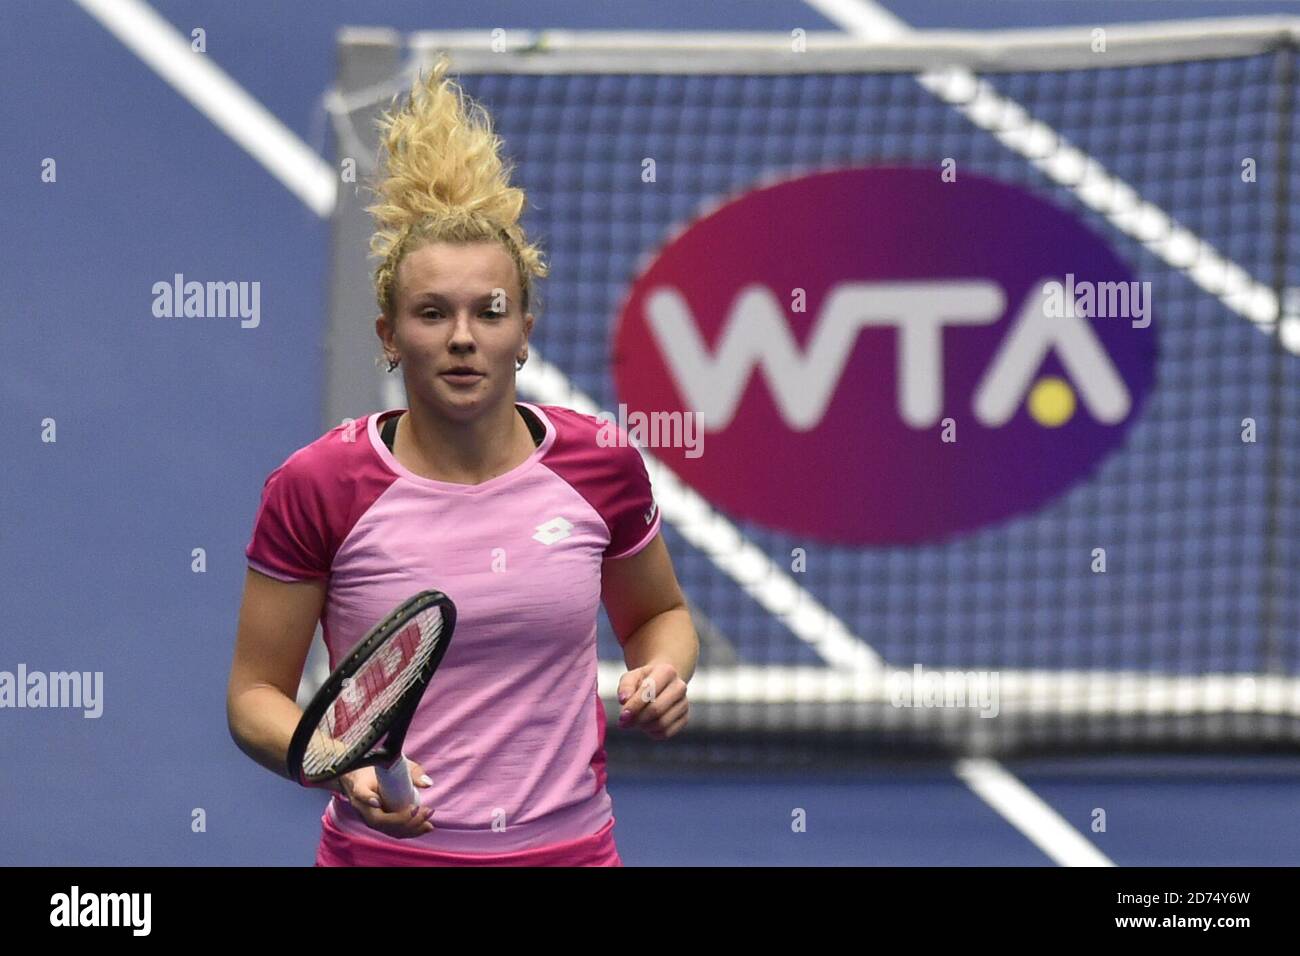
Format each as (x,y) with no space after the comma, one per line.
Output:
(921,358)
(557,529)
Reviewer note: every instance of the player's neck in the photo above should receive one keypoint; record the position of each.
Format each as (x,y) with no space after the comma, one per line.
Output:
(464,453)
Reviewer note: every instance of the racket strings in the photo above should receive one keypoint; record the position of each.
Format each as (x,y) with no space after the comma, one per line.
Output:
(372,693)
(350,721)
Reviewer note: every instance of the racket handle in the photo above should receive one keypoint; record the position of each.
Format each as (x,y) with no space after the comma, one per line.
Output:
(395,785)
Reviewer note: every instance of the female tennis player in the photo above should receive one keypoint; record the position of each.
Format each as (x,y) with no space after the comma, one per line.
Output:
(514,510)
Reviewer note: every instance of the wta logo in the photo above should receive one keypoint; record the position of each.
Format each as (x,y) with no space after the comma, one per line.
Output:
(879,357)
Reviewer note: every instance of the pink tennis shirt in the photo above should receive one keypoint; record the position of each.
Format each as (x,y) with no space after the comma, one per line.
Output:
(511,729)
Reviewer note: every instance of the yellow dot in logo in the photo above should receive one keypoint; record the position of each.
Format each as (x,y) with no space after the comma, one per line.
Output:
(1051,401)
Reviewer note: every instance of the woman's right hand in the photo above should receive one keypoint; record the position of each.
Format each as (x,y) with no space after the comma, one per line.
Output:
(361,787)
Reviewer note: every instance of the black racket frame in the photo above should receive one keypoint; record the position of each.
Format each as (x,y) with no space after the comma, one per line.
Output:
(393,722)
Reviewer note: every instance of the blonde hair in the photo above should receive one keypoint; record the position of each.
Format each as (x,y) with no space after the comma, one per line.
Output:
(442,179)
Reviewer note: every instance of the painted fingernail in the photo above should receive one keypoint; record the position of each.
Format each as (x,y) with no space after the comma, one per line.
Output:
(624,717)
(425,781)
(373,801)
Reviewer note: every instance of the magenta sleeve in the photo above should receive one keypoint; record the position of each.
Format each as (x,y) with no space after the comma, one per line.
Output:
(288,540)
(634,517)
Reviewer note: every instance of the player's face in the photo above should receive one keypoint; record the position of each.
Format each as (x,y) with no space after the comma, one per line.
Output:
(458,307)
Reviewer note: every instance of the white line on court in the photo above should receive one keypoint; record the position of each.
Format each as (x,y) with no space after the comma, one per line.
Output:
(223,101)
(989,780)
(862,18)
(1028,813)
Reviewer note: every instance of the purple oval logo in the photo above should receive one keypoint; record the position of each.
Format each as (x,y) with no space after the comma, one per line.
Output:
(880,357)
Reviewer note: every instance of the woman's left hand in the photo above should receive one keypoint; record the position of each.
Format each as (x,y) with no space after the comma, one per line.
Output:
(654,700)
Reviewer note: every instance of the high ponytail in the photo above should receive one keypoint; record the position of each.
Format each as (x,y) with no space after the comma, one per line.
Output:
(442,179)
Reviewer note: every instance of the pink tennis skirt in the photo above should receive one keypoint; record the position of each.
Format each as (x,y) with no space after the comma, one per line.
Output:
(338,849)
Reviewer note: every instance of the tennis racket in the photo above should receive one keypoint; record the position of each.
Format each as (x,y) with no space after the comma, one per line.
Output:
(371,695)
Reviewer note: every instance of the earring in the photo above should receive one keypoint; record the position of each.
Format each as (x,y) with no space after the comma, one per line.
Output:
(519,362)
(393,363)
